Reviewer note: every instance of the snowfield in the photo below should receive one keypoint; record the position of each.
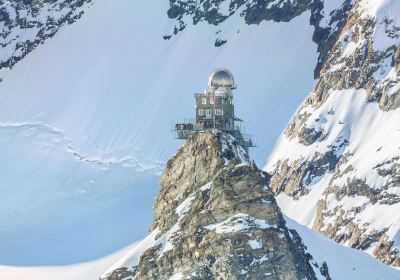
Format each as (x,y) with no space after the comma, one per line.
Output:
(85,125)
(83,271)
(85,120)
(344,263)
(357,196)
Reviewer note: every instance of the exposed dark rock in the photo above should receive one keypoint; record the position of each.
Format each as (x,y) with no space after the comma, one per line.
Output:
(295,181)
(308,136)
(219,220)
(30,15)
(325,271)
(220,42)
(387,253)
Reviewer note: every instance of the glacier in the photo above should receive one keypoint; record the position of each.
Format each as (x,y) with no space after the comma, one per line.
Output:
(85,120)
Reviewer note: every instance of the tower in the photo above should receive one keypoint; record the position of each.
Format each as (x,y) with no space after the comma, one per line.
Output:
(215,110)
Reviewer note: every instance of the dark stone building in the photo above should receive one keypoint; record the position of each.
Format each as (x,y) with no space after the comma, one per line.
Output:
(215,110)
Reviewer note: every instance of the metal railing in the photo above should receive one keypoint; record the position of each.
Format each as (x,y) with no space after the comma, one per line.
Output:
(185,129)
(190,124)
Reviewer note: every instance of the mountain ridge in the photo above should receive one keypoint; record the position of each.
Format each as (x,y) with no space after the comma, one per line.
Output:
(358,69)
(215,217)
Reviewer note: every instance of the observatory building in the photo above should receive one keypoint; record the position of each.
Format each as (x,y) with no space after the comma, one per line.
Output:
(215,111)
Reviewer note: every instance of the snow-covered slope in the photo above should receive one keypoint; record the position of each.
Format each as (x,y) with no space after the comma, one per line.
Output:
(85,119)
(344,263)
(191,214)
(26,24)
(336,167)
(82,271)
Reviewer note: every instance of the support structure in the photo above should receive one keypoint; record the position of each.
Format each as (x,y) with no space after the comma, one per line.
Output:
(215,110)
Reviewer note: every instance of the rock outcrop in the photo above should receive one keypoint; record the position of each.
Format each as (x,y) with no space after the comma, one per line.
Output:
(350,55)
(215,217)
(339,148)
(357,83)
(25,24)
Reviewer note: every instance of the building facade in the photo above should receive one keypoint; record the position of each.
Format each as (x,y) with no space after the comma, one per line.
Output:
(215,110)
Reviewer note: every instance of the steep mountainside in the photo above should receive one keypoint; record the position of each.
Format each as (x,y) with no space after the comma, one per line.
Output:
(336,168)
(24,24)
(338,160)
(341,149)
(85,121)
(216,218)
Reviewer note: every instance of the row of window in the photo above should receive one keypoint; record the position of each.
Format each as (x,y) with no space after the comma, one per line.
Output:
(218,112)
(213,99)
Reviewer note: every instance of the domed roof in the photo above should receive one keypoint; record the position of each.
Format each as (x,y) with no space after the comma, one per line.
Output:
(221,78)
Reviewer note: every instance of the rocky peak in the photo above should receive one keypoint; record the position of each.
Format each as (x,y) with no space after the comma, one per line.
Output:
(195,164)
(357,40)
(332,154)
(333,151)
(215,218)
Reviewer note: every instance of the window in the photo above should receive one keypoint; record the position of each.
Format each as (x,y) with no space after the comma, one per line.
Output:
(212,100)
(208,113)
(201,112)
(218,112)
(204,101)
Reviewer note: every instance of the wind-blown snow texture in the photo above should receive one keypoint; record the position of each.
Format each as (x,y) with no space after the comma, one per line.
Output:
(341,149)
(336,167)
(344,263)
(85,119)
(61,134)
(81,271)
(26,24)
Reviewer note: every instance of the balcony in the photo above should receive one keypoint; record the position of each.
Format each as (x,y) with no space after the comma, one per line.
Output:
(186,128)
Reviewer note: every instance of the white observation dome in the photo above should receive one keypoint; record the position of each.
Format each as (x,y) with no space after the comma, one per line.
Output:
(221,78)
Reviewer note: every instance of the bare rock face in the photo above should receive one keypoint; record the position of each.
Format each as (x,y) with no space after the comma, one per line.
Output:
(29,23)
(357,49)
(354,171)
(216,218)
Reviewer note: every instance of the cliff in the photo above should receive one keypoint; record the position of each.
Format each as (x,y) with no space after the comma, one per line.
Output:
(338,159)
(215,217)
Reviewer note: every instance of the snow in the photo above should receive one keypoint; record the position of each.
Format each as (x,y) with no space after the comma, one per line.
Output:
(383,11)
(206,187)
(254,244)
(370,8)
(239,222)
(96,102)
(82,271)
(329,8)
(177,276)
(34,16)
(343,263)
(165,241)
(374,138)
(85,134)
(132,258)
(259,261)
(239,152)
(184,207)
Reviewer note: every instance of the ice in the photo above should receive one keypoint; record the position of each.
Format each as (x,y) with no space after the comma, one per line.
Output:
(343,263)
(374,138)
(254,244)
(239,222)
(112,85)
